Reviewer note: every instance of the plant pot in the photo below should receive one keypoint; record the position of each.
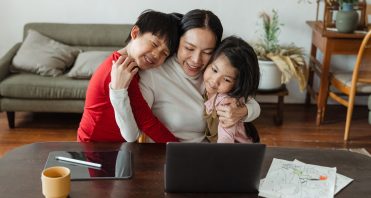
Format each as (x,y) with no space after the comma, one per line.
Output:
(270,76)
(346,19)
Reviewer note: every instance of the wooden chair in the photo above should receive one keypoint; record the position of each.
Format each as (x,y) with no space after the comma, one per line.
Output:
(351,83)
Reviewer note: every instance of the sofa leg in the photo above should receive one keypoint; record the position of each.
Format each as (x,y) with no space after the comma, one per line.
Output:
(10,115)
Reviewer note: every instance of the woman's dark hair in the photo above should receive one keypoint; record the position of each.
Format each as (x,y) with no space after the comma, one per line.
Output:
(162,25)
(202,19)
(242,56)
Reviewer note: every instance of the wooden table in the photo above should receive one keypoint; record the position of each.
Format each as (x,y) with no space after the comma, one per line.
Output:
(20,170)
(329,43)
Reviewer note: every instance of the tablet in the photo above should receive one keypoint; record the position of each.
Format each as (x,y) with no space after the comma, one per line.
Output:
(93,165)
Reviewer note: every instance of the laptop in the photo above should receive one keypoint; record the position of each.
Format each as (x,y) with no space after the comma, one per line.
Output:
(213,167)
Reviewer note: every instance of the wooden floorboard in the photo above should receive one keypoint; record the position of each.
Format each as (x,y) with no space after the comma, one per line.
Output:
(298,129)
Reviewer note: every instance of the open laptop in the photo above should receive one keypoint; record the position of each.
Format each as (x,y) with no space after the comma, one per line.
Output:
(212,167)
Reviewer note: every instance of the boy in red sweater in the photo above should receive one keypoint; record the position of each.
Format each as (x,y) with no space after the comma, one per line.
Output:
(153,38)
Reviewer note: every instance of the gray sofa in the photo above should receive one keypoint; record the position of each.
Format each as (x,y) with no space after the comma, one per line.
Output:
(25,92)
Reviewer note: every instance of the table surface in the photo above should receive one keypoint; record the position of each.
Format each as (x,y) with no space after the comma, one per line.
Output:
(20,170)
(318,26)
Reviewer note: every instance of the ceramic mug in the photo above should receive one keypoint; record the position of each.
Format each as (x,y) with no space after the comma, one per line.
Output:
(56,182)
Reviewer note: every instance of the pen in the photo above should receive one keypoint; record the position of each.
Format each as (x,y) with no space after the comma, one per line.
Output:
(321,177)
(66,159)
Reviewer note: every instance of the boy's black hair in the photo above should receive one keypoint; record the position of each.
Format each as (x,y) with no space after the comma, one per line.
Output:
(162,25)
(243,57)
(202,19)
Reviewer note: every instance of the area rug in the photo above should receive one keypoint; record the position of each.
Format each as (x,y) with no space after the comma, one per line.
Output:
(358,150)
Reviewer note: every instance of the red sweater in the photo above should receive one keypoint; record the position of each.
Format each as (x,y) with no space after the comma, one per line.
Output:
(98,122)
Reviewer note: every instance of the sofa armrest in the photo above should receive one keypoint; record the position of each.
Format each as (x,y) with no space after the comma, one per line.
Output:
(6,61)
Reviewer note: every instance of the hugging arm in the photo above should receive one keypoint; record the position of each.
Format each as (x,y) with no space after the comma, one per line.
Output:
(122,72)
(126,110)
(123,114)
(143,114)
(230,112)
(132,112)
(226,135)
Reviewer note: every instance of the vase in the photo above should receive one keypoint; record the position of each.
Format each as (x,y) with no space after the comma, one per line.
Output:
(346,19)
(270,76)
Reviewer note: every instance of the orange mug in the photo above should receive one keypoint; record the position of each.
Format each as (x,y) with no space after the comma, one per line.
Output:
(56,182)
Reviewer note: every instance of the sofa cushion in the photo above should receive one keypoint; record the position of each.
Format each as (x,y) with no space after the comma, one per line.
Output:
(33,86)
(84,34)
(42,55)
(86,63)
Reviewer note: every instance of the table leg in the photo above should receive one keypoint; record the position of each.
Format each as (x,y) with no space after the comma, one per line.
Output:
(313,53)
(309,85)
(323,89)
(278,119)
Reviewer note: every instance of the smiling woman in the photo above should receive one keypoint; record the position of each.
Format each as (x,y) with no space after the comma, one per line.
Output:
(195,49)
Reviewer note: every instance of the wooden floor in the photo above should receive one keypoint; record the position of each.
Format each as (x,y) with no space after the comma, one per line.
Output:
(298,129)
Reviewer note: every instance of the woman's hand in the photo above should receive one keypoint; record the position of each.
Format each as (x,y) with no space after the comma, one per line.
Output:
(123,70)
(230,112)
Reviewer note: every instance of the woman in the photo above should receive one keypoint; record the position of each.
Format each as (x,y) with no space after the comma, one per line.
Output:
(174,90)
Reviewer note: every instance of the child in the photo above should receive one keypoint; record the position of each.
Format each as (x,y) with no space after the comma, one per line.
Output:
(153,38)
(233,72)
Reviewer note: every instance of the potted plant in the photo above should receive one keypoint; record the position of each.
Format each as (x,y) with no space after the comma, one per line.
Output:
(346,18)
(278,63)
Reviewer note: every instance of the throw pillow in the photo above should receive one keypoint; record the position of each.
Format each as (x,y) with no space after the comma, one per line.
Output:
(86,64)
(42,55)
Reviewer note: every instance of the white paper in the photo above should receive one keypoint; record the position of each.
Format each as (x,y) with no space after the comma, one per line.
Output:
(341,180)
(294,180)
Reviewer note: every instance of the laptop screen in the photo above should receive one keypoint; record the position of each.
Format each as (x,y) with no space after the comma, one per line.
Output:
(212,167)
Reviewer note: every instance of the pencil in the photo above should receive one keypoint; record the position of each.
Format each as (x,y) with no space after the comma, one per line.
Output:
(66,159)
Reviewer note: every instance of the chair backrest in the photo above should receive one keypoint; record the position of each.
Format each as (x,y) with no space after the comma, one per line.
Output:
(362,68)
(368,16)
(360,81)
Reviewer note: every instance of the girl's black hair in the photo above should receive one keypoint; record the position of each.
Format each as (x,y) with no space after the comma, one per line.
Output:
(202,19)
(162,25)
(252,132)
(242,56)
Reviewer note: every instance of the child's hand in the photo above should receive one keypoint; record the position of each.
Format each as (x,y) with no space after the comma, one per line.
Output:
(230,112)
(122,72)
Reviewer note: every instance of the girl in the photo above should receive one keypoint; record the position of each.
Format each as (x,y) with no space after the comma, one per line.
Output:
(233,72)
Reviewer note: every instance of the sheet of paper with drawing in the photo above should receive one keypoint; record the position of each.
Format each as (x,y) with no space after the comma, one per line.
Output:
(341,180)
(289,179)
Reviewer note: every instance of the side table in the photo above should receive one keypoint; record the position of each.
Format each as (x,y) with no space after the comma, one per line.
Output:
(329,43)
(281,93)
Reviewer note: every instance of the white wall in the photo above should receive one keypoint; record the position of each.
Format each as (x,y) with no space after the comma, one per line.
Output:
(239,17)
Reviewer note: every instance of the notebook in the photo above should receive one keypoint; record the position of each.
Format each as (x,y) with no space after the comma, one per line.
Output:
(212,167)
(113,164)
